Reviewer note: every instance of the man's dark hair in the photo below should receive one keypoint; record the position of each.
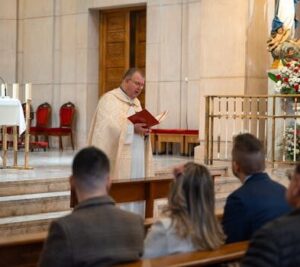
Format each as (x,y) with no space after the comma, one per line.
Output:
(248,153)
(129,73)
(90,168)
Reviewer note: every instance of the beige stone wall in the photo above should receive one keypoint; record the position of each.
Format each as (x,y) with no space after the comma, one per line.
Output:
(194,48)
(8,39)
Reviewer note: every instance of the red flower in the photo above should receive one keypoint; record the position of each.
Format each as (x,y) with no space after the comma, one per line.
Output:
(296,86)
(288,65)
(286,80)
(278,77)
(296,70)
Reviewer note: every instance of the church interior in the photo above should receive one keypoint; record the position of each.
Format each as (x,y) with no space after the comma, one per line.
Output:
(210,64)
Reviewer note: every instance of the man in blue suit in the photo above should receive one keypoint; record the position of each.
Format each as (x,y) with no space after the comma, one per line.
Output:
(259,199)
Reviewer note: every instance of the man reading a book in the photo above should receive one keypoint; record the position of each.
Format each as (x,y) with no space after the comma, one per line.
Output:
(125,143)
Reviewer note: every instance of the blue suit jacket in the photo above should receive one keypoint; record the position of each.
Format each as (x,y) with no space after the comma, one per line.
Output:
(258,201)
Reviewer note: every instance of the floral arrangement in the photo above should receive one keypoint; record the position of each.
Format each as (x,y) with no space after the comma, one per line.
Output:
(288,78)
(289,136)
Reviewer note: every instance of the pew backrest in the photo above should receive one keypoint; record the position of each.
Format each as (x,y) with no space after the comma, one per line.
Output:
(226,253)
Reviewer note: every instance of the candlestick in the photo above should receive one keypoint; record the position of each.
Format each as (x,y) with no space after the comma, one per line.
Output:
(27,91)
(15,92)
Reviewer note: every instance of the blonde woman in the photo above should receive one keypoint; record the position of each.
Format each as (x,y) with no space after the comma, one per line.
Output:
(189,222)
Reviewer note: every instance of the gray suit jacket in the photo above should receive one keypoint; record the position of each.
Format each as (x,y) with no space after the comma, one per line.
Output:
(96,233)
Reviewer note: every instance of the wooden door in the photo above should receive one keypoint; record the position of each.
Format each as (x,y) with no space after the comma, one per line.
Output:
(140,46)
(122,45)
(114,52)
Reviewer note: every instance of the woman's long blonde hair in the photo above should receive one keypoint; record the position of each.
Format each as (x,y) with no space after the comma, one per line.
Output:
(191,206)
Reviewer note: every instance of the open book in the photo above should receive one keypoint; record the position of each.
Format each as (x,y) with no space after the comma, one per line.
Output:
(146,117)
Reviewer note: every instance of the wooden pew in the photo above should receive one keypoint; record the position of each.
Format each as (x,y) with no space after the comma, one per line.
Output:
(147,189)
(29,246)
(21,251)
(226,253)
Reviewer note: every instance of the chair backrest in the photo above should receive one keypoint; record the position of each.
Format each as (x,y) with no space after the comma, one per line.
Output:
(66,114)
(43,113)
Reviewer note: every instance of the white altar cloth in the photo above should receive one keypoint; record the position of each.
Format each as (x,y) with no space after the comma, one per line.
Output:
(11,113)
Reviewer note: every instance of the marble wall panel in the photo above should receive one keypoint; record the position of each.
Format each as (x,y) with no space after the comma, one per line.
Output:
(153,24)
(8,65)
(68,49)
(193,40)
(170,49)
(38,50)
(257,57)
(152,62)
(169,99)
(152,97)
(36,8)
(193,106)
(164,2)
(257,86)
(92,71)
(8,34)
(8,9)
(114,3)
(223,38)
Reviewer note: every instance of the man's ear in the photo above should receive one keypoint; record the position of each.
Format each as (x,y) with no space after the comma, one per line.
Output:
(235,166)
(108,183)
(71,182)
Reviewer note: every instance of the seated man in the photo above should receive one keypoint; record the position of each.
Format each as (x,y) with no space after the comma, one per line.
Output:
(96,233)
(259,199)
(277,243)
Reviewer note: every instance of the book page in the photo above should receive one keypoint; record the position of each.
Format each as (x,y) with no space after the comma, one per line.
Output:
(162,116)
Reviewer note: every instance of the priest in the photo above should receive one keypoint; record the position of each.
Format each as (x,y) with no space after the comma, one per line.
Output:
(127,145)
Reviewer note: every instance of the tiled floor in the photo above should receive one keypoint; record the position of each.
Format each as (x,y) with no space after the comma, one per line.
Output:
(55,164)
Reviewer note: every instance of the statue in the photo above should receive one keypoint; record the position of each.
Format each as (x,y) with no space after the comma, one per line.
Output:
(282,44)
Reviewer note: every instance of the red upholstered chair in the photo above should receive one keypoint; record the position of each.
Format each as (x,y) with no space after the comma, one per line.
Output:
(66,118)
(43,118)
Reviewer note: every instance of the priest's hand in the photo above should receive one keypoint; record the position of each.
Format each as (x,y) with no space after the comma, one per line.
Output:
(141,129)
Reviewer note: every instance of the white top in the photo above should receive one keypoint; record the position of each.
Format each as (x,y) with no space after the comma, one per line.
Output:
(11,113)
(163,240)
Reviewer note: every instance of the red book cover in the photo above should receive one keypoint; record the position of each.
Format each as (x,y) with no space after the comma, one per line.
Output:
(144,116)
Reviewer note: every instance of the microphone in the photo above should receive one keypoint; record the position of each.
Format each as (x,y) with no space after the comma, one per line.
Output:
(5,89)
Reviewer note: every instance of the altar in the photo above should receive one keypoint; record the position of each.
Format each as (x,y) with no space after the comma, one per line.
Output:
(11,114)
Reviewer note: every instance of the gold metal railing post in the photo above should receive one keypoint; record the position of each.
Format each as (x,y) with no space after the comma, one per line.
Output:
(273,131)
(207,108)
(211,131)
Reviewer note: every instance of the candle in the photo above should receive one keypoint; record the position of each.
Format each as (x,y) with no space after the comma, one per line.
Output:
(27,91)
(15,92)
(2,90)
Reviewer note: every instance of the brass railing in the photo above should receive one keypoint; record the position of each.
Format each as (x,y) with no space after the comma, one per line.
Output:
(274,119)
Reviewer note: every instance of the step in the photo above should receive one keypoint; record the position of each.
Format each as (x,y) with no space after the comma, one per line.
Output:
(20,225)
(34,203)
(20,187)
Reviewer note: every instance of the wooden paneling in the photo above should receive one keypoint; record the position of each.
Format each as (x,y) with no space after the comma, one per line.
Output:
(114,52)
(140,46)
(116,44)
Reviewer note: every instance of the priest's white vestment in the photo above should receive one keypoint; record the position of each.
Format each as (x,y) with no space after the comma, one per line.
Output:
(130,154)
